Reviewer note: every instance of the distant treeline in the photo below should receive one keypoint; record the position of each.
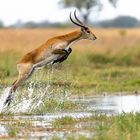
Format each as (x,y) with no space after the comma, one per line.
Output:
(120,21)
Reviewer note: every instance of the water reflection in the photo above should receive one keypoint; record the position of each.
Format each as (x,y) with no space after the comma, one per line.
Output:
(112,104)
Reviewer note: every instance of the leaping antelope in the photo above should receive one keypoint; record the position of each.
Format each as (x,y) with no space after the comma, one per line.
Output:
(55,50)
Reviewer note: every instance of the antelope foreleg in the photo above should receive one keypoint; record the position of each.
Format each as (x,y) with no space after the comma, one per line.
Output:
(63,57)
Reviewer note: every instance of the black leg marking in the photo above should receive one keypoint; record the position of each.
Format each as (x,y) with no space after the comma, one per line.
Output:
(8,100)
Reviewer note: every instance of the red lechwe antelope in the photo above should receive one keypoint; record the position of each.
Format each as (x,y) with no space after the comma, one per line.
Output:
(55,50)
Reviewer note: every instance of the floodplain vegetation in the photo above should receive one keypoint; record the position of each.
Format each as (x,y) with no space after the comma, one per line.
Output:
(110,65)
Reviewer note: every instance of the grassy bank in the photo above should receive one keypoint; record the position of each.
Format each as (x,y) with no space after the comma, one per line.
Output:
(80,74)
(109,64)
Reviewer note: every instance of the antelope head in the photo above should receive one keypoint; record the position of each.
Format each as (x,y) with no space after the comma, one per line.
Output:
(86,32)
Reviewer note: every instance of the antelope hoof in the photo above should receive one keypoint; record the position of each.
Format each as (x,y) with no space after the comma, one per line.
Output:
(69,50)
(8,100)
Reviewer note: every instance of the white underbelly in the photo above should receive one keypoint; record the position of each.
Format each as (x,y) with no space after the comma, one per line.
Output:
(46,61)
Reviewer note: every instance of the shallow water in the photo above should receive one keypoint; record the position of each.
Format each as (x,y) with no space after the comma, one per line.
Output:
(51,116)
(112,104)
(42,124)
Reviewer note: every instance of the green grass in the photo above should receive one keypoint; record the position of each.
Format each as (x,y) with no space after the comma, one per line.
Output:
(83,73)
(63,122)
(121,127)
(124,126)
(52,105)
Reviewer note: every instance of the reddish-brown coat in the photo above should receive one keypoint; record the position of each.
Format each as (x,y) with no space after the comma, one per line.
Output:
(34,56)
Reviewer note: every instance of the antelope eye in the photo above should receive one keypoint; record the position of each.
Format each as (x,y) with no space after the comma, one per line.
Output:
(88,31)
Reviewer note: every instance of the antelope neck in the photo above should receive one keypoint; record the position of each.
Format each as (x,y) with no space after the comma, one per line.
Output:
(71,37)
(74,36)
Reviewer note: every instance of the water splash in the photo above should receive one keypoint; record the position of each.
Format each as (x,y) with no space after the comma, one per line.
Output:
(3,98)
(30,102)
(29,99)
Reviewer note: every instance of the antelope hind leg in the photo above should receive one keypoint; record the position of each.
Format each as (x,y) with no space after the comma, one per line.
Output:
(24,73)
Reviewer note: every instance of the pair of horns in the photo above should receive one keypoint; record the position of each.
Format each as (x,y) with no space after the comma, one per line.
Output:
(79,22)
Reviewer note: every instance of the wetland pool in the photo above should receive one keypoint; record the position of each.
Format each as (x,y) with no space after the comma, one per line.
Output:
(40,126)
